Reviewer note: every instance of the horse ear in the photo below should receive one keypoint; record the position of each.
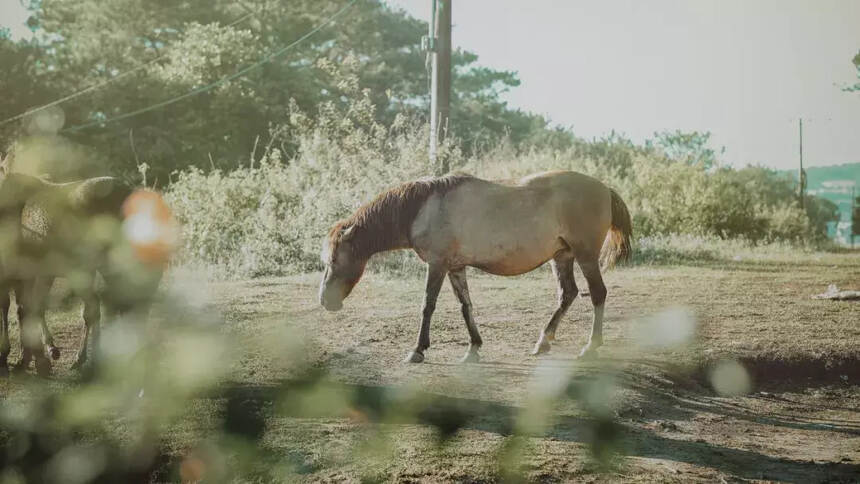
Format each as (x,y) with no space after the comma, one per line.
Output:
(347,233)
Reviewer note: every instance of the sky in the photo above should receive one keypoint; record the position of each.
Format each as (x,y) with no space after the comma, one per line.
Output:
(744,70)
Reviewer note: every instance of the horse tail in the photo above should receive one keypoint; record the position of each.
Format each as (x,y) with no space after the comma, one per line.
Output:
(617,244)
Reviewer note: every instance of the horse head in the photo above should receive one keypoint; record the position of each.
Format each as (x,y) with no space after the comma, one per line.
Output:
(343,267)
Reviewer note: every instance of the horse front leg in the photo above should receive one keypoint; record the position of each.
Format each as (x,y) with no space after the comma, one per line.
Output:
(461,289)
(435,278)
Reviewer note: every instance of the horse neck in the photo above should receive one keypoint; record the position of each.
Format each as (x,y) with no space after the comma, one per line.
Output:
(378,236)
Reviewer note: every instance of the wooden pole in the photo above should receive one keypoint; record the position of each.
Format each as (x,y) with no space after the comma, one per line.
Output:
(854,220)
(440,88)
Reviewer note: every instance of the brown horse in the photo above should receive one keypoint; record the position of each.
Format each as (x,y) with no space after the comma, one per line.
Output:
(505,229)
(71,230)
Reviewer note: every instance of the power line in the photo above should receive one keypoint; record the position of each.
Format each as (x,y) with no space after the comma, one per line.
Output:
(104,83)
(217,83)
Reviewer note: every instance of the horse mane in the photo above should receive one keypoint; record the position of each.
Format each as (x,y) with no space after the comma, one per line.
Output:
(384,222)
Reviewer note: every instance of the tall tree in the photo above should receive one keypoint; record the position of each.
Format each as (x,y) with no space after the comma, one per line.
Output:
(155,50)
(856,61)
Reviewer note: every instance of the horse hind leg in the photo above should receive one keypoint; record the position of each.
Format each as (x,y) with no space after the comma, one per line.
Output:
(562,268)
(597,291)
(34,298)
(461,289)
(21,311)
(47,337)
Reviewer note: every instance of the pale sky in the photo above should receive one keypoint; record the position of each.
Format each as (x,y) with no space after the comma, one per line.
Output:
(744,70)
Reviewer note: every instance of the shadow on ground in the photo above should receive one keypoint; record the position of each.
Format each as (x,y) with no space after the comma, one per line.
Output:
(448,414)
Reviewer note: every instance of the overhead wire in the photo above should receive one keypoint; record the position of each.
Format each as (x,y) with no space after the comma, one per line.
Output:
(103,83)
(265,59)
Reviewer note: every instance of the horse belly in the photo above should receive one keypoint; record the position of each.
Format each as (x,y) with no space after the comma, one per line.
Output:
(511,253)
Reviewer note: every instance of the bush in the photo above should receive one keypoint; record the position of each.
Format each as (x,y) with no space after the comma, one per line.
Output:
(269,216)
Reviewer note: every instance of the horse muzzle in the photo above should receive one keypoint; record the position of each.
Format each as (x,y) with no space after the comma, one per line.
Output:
(331,305)
(329,300)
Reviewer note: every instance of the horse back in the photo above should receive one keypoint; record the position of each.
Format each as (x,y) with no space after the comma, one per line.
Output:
(513,228)
(58,214)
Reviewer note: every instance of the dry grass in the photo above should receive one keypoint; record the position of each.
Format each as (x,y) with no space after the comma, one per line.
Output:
(800,423)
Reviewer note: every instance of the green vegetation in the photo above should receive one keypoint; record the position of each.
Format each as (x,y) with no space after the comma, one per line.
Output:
(187,45)
(833,183)
(269,217)
(282,391)
(251,381)
(306,138)
(856,61)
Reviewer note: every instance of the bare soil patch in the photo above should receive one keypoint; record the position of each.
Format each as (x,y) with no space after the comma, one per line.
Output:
(799,423)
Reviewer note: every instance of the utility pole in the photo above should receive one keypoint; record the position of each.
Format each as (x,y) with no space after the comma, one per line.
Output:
(440,84)
(855,224)
(801,175)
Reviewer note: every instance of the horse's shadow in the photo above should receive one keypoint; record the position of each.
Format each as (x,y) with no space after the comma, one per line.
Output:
(448,414)
(687,393)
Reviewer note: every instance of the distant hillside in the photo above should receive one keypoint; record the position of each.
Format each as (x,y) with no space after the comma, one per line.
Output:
(833,183)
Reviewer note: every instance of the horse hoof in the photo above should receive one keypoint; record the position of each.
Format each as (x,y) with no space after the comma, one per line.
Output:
(471,357)
(54,352)
(414,357)
(541,347)
(588,354)
(43,367)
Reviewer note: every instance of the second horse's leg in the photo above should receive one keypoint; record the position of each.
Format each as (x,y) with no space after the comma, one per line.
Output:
(5,345)
(22,291)
(47,337)
(91,314)
(34,296)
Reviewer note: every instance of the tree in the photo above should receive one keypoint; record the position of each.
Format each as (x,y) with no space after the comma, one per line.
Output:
(855,219)
(856,61)
(691,148)
(24,73)
(191,44)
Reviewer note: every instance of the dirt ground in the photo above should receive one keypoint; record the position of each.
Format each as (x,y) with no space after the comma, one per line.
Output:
(799,422)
